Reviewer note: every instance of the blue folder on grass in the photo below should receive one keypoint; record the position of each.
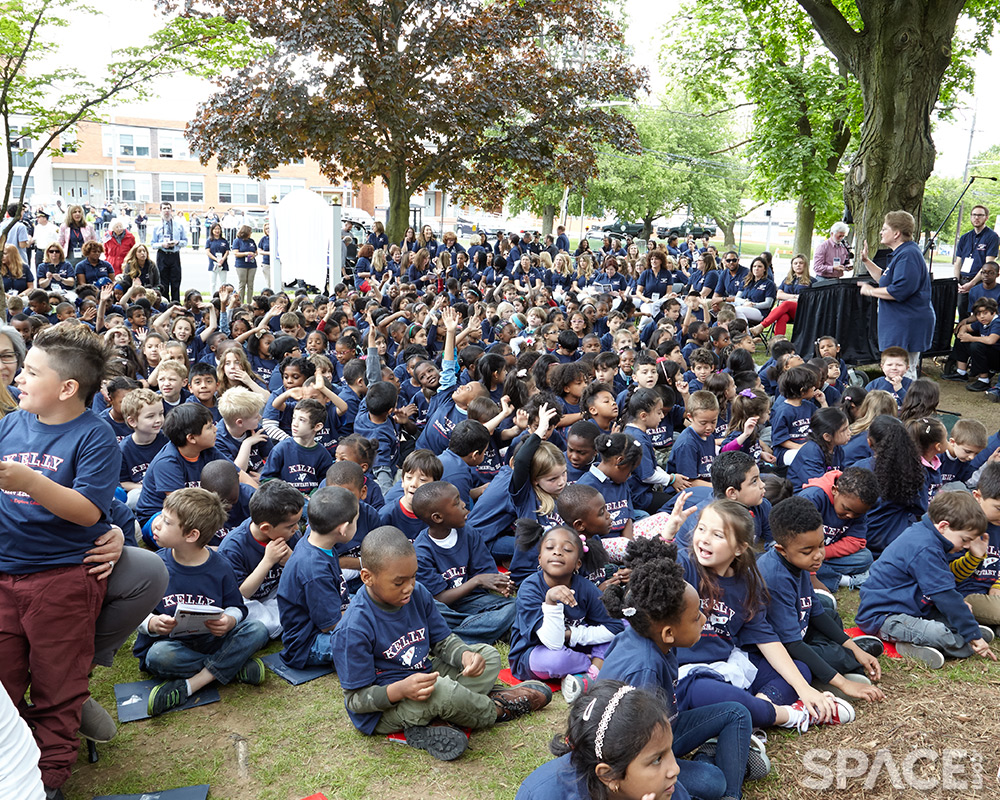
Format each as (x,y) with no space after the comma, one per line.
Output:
(292,675)
(133,700)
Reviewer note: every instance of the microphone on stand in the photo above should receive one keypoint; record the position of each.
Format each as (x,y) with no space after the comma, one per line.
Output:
(983,178)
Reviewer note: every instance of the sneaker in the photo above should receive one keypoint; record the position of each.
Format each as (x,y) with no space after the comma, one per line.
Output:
(857,581)
(253,672)
(843,712)
(993,395)
(54,793)
(167,696)
(520,700)
(869,644)
(933,658)
(444,742)
(858,677)
(758,764)
(987,634)
(96,724)
(958,377)
(978,386)
(826,598)
(573,686)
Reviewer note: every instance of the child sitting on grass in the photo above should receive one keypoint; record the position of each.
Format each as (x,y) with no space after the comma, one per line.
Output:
(312,593)
(402,668)
(299,460)
(225,652)
(261,546)
(910,597)
(457,569)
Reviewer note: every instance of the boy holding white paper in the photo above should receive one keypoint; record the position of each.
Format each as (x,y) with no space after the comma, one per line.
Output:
(224,649)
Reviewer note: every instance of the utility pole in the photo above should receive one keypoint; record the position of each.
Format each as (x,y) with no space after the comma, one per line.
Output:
(965,179)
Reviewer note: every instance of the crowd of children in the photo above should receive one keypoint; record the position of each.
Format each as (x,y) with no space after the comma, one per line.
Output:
(395,478)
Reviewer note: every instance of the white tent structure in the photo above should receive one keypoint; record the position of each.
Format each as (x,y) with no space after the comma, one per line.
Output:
(303,227)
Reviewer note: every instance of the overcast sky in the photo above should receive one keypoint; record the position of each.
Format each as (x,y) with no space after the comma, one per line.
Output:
(178,97)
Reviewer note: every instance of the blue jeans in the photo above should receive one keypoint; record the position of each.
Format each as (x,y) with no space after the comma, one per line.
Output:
(481,618)
(223,656)
(502,548)
(321,651)
(832,569)
(728,722)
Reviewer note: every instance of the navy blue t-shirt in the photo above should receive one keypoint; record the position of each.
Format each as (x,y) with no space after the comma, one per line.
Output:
(244,554)
(692,456)
(136,458)
(167,472)
(440,569)
(302,467)
(375,646)
(793,601)
(617,498)
(312,597)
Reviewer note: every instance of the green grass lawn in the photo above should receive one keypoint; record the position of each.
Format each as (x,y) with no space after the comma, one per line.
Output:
(299,741)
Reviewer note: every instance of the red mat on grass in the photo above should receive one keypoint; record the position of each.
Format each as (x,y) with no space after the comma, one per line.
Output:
(890,649)
(400,737)
(316,797)
(506,677)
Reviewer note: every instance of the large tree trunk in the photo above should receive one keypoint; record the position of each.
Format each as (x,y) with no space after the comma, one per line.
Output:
(805,223)
(899,58)
(399,207)
(728,228)
(647,228)
(548,217)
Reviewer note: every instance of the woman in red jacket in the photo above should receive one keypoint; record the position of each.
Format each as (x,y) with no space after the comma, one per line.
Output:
(118,244)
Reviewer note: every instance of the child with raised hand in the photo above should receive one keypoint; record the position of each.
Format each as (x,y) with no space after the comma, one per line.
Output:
(561,627)
(643,414)
(401,667)
(312,593)
(828,433)
(258,550)
(664,614)
(617,746)
(225,652)
(694,450)
(895,364)
(237,435)
(810,633)
(620,454)
(876,403)
(931,438)
(537,475)
(911,598)
(774,688)
(456,568)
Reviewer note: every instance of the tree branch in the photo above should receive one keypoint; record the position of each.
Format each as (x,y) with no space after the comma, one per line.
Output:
(836,32)
(733,146)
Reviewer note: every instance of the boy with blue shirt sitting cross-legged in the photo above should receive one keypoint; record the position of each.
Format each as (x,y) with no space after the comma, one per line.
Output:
(349,475)
(402,668)
(200,577)
(895,363)
(456,568)
(810,633)
(299,460)
(312,593)
(238,435)
(58,465)
(694,450)
(259,549)
(911,598)
(143,411)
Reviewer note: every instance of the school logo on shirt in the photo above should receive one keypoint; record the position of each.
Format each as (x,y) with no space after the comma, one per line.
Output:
(455,576)
(717,617)
(831,533)
(805,607)
(171,600)
(404,642)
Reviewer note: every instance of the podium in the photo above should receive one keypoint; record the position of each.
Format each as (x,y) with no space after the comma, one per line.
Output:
(839,309)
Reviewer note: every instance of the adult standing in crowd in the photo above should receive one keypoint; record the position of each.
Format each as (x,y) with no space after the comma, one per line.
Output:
(74,233)
(975,248)
(140,224)
(169,238)
(229,226)
(562,240)
(19,236)
(217,249)
(118,244)
(377,238)
(246,263)
(195,230)
(46,234)
(831,257)
(906,317)
(264,251)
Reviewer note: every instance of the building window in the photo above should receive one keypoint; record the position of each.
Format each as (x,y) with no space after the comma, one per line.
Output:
(15,188)
(182,191)
(239,193)
(21,148)
(172,144)
(135,188)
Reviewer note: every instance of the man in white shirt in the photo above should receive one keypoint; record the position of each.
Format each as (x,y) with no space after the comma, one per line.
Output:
(169,238)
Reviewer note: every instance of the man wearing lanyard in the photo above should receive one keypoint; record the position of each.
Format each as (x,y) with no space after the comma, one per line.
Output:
(169,238)
(975,248)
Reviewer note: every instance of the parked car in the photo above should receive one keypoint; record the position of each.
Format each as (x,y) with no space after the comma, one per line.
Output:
(685,228)
(620,229)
